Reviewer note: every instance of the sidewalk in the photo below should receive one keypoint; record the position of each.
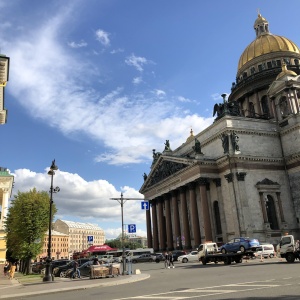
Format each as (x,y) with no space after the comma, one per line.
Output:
(10,289)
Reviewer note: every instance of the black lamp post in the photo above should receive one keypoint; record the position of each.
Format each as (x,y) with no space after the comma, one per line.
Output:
(48,275)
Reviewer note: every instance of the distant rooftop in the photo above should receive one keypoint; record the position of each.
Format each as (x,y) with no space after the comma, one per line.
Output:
(72,224)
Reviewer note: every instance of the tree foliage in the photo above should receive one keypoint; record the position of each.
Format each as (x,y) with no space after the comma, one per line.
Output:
(116,243)
(27,223)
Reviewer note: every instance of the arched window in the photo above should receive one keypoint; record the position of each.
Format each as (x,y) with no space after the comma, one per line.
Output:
(271,213)
(251,109)
(265,106)
(217,218)
(283,104)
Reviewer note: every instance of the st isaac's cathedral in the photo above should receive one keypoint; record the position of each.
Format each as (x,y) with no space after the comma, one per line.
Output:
(240,176)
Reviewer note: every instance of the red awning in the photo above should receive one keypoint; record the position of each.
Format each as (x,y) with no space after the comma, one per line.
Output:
(99,248)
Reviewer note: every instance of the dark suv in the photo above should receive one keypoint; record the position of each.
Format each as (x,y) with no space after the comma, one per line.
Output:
(177,253)
(60,271)
(54,263)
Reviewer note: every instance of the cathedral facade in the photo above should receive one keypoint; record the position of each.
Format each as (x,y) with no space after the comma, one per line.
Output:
(240,176)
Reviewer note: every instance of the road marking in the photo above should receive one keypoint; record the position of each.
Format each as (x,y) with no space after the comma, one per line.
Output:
(210,291)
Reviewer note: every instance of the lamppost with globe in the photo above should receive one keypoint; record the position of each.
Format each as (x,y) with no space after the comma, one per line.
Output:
(48,276)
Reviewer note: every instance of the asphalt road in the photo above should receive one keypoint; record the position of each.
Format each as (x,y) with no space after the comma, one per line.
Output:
(270,279)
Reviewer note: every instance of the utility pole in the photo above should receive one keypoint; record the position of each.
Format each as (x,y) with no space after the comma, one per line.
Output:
(122,201)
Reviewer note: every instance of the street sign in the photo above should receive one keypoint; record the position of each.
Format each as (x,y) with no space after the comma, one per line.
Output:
(90,238)
(145,205)
(131,228)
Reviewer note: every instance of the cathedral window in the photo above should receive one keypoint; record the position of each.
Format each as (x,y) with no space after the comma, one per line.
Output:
(283,106)
(245,75)
(217,218)
(269,64)
(260,68)
(296,61)
(271,213)
(251,109)
(265,106)
(278,63)
(252,70)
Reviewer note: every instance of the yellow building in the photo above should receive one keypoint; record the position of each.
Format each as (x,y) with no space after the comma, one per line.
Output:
(59,246)
(6,185)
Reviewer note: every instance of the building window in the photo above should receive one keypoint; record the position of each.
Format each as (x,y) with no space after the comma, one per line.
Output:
(251,109)
(265,106)
(269,64)
(271,213)
(296,62)
(252,70)
(217,218)
(283,106)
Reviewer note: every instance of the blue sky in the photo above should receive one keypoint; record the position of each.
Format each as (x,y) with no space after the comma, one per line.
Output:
(97,85)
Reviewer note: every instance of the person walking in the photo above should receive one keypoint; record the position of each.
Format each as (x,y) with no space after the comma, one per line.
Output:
(75,270)
(171,260)
(166,256)
(6,268)
(12,269)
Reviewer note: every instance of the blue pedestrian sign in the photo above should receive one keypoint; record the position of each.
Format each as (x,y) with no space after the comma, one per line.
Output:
(90,238)
(131,228)
(145,205)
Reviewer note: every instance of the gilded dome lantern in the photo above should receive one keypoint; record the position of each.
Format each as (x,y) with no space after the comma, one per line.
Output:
(262,58)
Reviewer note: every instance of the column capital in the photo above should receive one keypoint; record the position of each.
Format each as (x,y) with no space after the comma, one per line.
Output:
(182,189)
(229,177)
(217,182)
(191,185)
(202,181)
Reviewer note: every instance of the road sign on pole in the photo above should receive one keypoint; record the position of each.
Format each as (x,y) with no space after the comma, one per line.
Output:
(131,228)
(145,205)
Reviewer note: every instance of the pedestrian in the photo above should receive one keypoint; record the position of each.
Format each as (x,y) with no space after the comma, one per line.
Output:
(12,269)
(75,270)
(95,260)
(6,268)
(166,256)
(171,260)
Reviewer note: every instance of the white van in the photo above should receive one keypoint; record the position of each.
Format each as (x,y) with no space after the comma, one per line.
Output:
(266,251)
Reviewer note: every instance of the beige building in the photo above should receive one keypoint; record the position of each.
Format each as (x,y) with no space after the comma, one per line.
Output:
(78,234)
(240,176)
(4,71)
(59,246)
(6,185)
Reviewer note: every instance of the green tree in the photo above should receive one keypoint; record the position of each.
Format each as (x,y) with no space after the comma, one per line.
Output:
(26,225)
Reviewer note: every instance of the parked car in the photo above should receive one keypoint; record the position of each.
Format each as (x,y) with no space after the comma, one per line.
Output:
(37,267)
(143,258)
(159,257)
(192,256)
(54,264)
(265,250)
(84,270)
(242,244)
(177,253)
(60,271)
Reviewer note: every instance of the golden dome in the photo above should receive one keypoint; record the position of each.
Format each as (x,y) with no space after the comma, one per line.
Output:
(266,44)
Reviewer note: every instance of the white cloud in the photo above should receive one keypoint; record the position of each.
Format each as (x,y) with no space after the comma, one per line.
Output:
(103,37)
(117,51)
(136,61)
(60,80)
(89,201)
(137,80)
(160,93)
(77,45)
(183,99)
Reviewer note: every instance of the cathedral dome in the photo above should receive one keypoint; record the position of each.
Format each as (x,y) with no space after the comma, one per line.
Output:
(265,43)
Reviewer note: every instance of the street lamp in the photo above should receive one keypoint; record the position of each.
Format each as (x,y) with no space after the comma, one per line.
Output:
(48,275)
(122,200)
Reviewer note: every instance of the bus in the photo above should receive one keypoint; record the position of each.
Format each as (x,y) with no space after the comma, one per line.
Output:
(117,254)
(139,251)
